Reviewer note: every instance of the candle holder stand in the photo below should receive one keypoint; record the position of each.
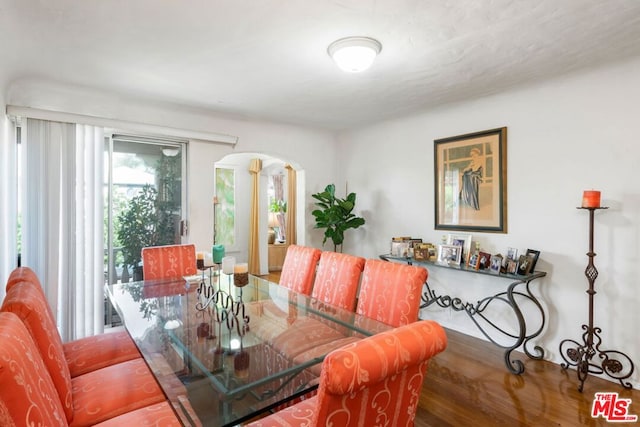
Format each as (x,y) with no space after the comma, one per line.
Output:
(613,363)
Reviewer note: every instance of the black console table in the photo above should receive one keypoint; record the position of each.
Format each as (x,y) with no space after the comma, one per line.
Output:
(518,288)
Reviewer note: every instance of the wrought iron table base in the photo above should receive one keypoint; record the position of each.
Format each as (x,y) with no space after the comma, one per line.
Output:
(509,297)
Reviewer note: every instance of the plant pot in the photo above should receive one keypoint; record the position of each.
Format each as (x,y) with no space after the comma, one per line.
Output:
(137,274)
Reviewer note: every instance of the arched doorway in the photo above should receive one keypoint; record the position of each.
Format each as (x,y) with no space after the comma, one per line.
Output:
(273,174)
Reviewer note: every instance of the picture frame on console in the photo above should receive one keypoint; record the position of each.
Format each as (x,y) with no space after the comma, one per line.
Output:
(524,264)
(511,266)
(495,264)
(471,182)
(484,260)
(449,254)
(463,240)
(534,254)
(473,261)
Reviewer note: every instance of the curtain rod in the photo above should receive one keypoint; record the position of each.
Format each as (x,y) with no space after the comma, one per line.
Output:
(36,113)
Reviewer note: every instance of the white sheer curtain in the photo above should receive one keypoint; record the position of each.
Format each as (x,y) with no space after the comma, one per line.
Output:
(8,201)
(62,211)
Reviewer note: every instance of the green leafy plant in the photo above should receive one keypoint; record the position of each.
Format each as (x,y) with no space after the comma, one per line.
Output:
(278,206)
(150,218)
(138,225)
(335,215)
(143,223)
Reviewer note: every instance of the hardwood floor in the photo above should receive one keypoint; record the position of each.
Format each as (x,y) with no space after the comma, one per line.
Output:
(469,385)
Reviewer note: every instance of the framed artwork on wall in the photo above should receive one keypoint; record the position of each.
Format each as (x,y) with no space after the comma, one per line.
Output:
(471,182)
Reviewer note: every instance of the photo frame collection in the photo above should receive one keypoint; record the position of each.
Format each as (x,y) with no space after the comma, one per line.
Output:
(455,251)
(509,264)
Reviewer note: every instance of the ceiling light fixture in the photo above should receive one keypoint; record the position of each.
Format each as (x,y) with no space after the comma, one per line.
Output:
(354,54)
(171,151)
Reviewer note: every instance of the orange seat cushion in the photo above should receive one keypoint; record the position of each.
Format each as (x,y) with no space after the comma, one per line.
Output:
(27,394)
(304,333)
(113,391)
(99,351)
(300,414)
(158,415)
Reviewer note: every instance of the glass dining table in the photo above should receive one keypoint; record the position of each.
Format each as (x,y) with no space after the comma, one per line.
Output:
(224,354)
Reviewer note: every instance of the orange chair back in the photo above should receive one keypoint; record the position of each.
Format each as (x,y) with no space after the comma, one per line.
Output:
(375,381)
(337,279)
(390,292)
(299,268)
(378,380)
(24,274)
(27,394)
(159,262)
(28,303)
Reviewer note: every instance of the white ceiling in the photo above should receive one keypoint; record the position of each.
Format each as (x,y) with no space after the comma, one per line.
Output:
(267,59)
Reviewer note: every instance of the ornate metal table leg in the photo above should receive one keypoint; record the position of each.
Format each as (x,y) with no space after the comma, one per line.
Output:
(475,311)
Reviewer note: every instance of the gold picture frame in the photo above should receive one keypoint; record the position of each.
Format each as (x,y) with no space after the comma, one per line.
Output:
(471,182)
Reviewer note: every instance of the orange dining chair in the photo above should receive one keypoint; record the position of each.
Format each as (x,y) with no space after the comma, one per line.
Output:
(299,267)
(390,292)
(28,395)
(373,381)
(337,279)
(85,354)
(159,262)
(94,396)
(335,284)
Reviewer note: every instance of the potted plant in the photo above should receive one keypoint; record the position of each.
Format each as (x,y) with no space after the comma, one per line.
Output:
(143,223)
(335,215)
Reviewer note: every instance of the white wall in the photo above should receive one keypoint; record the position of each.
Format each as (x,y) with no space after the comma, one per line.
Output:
(564,136)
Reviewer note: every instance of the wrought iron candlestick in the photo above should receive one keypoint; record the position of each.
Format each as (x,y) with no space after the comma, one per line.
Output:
(615,364)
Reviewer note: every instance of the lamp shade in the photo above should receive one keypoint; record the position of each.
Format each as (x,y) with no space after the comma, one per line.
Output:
(273,220)
(354,54)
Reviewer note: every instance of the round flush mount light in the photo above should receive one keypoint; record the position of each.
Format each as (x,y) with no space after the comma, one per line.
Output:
(354,54)
(171,151)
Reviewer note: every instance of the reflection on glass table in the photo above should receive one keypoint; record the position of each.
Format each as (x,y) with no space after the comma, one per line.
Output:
(224,354)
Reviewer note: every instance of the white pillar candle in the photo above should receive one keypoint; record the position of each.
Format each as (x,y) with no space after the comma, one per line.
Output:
(228,263)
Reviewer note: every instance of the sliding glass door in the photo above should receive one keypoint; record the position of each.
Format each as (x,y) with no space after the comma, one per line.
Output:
(145,200)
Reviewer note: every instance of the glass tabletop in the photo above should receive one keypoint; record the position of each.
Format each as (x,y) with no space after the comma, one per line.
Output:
(224,354)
